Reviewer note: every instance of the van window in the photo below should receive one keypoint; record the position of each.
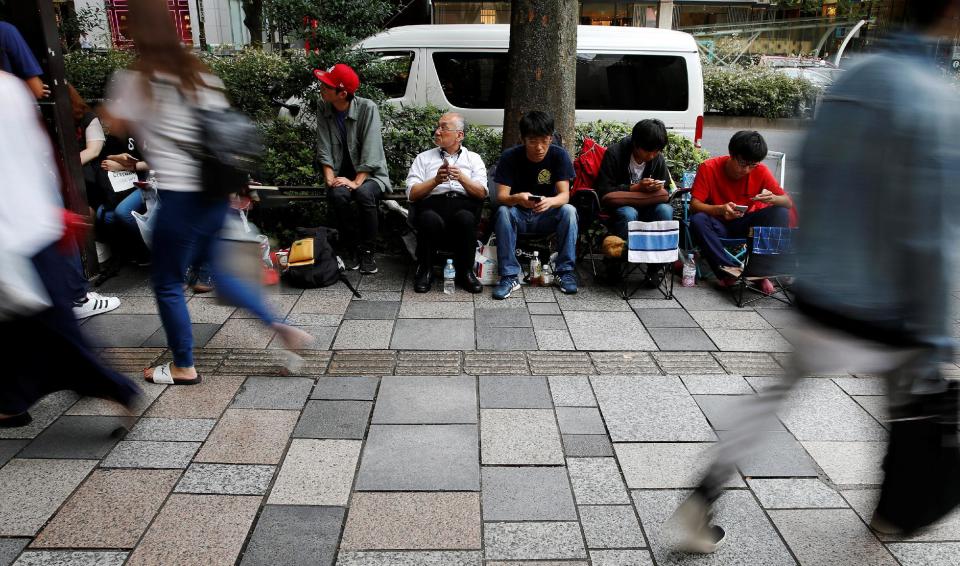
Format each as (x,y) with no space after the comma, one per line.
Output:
(631,82)
(604,81)
(395,66)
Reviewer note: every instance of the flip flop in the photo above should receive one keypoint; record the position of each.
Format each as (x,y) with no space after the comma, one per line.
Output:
(163,375)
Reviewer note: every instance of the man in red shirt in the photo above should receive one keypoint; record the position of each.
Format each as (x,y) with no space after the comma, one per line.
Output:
(725,183)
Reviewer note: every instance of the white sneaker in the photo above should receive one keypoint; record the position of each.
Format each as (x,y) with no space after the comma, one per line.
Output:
(94,305)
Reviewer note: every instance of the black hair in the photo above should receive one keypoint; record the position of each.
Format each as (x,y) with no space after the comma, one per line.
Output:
(649,135)
(536,123)
(925,13)
(748,145)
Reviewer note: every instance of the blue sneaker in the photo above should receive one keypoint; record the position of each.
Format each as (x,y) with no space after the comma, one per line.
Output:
(507,285)
(567,282)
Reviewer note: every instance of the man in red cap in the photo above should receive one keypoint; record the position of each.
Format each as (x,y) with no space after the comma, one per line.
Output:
(350,150)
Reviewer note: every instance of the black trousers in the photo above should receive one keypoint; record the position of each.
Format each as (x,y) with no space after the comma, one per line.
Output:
(449,222)
(357,228)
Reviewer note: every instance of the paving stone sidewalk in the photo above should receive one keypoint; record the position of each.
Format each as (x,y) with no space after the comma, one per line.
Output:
(437,430)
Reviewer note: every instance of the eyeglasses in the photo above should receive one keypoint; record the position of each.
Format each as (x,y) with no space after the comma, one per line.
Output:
(442,129)
(747,164)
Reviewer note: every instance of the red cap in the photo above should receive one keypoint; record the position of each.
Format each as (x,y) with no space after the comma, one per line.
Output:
(339,76)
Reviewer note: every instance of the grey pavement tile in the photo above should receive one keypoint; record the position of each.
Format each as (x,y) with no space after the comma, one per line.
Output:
(444,334)
(926,553)
(389,277)
(751,363)
(795,493)
(724,412)
(831,537)
(273,393)
(31,491)
(322,337)
(533,541)
(553,340)
(75,437)
(306,319)
(597,481)
(71,558)
(245,436)
(665,318)
(408,521)
(593,298)
(877,405)
(277,303)
(608,331)
(436,294)
(659,465)
(503,318)
(572,391)
(334,419)
(659,303)
(818,409)
(560,363)
(547,322)
(415,558)
(704,297)
(757,543)
(716,384)
(394,296)
(414,400)
(93,406)
(780,318)
(323,301)
(849,463)
(730,320)
(580,420)
(505,339)
(121,330)
(9,448)
(357,388)
(611,526)
(649,408)
(428,363)
(621,558)
(543,308)
(514,392)
(527,494)
(586,445)
(295,534)
(539,294)
(132,304)
(437,309)
(316,472)
(681,363)
(862,385)
(151,454)
(202,333)
(226,479)
(777,454)
(681,339)
(207,310)
(241,333)
(485,301)
(497,363)
(44,412)
(864,501)
(420,458)
(178,430)
(364,335)
(372,310)
(749,340)
(519,437)
(10,548)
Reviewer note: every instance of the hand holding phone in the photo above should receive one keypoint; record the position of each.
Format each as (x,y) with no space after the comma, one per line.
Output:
(534,198)
(742,209)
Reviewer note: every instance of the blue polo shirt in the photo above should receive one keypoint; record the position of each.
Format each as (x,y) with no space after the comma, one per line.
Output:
(15,54)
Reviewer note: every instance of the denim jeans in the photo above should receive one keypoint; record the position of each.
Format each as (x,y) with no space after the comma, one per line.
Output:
(513,220)
(626,214)
(187,229)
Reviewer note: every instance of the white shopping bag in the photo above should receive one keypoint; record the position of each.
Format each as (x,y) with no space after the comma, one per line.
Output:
(146,221)
(485,262)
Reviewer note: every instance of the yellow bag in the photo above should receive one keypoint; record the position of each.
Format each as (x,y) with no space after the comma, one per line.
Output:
(301,253)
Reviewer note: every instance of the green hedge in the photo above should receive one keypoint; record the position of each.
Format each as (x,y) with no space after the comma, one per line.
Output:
(756,91)
(250,74)
(89,72)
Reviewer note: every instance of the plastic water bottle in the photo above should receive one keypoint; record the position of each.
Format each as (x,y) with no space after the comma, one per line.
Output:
(449,274)
(536,270)
(689,272)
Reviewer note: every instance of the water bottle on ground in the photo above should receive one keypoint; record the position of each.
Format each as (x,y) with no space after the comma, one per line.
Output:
(449,274)
(689,272)
(536,270)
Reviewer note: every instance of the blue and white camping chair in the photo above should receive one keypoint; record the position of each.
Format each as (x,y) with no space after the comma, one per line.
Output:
(769,255)
(656,245)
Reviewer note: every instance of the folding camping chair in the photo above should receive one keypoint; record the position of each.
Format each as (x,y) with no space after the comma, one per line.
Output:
(769,255)
(656,244)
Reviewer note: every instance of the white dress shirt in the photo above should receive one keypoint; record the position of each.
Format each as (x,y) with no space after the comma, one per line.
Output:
(426,165)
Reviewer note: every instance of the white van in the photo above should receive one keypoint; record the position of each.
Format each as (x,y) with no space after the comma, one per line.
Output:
(624,74)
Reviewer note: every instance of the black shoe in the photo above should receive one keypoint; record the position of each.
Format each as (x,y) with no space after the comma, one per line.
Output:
(469,283)
(14,421)
(423,279)
(350,262)
(368,265)
(654,277)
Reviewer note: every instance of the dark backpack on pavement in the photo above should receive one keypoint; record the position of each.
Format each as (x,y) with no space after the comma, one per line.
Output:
(312,263)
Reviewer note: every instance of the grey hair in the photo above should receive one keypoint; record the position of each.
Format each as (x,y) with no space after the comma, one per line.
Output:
(458,120)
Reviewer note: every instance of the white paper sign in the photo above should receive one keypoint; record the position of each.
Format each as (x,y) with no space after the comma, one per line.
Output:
(121,180)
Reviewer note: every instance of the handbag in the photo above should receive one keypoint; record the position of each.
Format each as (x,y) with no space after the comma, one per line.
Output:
(636,199)
(485,262)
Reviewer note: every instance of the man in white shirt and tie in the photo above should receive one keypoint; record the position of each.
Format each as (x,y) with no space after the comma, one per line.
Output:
(446,186)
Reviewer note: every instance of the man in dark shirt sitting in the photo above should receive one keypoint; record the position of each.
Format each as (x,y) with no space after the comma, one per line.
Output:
(533,190)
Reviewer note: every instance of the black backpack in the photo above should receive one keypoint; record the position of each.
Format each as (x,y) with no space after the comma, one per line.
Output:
(325,269)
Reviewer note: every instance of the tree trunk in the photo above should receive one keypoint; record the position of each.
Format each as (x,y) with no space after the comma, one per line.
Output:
(542,68)
(253,20)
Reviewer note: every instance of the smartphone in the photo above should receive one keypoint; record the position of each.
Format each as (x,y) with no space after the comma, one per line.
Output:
(535,198)
(741,208)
